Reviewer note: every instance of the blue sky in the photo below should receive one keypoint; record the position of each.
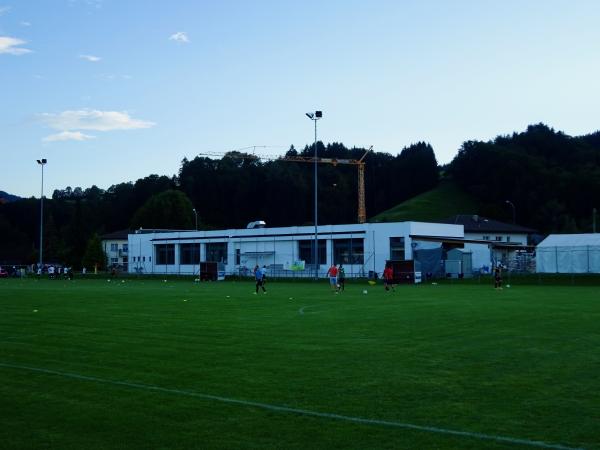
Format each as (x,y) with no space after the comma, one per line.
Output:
(114,90)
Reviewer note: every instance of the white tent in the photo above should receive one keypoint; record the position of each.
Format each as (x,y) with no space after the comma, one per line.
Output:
(569,253)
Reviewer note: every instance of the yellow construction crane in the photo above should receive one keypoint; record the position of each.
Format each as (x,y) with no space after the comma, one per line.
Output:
(362,208)
(360,163)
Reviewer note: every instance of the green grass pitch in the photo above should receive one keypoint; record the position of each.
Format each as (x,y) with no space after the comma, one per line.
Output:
(147,364)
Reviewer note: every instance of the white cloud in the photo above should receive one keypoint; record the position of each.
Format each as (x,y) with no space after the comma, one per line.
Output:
(113,77)
(4,9)
(25,23)
(11,45)
(68,136)
(90,119)
(90,58)
(180,36)
(92,3)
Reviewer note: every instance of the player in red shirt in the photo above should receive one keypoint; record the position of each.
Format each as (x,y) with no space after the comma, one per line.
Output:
(388,278)
(332,274)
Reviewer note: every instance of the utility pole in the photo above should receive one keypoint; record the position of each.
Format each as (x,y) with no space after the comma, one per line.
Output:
(314,117)
(42,162)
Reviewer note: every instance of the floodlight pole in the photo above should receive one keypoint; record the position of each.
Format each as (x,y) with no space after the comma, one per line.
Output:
(196,217)
(314,117)
(42,162)
(514,213)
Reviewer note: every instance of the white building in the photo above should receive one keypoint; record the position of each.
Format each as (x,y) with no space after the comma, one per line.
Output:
(286,251)
(115,248)
(503,239)
(569,253)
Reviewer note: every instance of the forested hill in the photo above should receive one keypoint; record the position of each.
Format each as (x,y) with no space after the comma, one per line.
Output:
(226,193)
(552,179)
(232,191)
(5,197)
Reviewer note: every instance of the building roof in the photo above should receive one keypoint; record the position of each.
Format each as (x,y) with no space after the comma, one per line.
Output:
(571,240)
(479,224)
(459,242)
(116,235)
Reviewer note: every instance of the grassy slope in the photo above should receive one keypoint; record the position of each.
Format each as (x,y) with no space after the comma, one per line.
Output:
(445,200)
(522,362)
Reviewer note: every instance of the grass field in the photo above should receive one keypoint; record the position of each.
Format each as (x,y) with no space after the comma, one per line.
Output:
(147,364)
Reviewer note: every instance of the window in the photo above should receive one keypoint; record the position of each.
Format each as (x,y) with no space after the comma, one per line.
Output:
(486,238)
(125,260)
(305,252)
(114,247)
(498,238)
(114,260)
(216,252)
(144,258)
(397,249)
(238,256)
(125,248)
(165,254)
(348,251)
(507,238)
(189,254)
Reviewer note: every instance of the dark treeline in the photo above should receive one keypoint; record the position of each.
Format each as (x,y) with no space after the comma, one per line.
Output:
(226,193)
(552,179)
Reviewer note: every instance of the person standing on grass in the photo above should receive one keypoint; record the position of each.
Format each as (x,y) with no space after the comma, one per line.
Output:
(332,273)
(264,275)
(341,278)
(498,277)
(258,276)
(388,278)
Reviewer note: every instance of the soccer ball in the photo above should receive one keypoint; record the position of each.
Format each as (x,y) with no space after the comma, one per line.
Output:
(365,292)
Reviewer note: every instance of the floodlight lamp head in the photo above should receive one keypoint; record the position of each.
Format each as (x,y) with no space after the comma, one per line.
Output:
(310,116)
(318,114)
(42,161)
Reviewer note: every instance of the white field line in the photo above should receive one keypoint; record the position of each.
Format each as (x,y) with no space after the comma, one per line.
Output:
(301,310)
(296,411)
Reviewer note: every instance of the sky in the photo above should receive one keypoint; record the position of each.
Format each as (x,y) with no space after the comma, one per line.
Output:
(111,91)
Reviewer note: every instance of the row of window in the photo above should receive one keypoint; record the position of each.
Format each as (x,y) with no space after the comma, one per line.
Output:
(498,238)
(140,259)
(190,253)
(114,247)
(345,251)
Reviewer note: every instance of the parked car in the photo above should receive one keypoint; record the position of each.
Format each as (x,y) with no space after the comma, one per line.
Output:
(3,273)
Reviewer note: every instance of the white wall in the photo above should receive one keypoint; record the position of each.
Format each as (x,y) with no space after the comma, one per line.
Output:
(268,246)
(111,254)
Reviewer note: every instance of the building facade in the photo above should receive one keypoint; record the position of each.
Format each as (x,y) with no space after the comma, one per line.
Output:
(505,241)
(115,246)
(363,249)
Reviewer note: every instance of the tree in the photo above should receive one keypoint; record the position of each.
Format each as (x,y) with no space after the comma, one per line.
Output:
(94,255)
(168,210)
